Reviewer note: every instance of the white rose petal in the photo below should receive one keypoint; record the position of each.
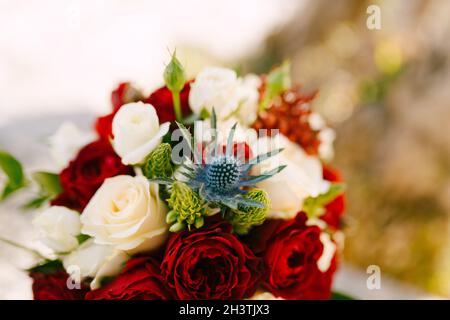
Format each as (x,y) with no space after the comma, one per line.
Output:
(264,295)
(329,249)
(215,88)
(203,133)
(326,137)
(137,132)
(59,228)
(95,261)
(126,212)
(66,142)
(248,99)
(301,178)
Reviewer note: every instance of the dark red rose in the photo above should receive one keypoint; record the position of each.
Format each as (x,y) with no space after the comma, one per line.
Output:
(85,174)
(140,280)
(124,93)
(290,250)
(210,263)
(161,99)
(336,208)
(53,286)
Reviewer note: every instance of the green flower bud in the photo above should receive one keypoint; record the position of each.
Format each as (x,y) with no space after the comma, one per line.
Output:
(247,216)
(187,207)
(174,75)
(158,164)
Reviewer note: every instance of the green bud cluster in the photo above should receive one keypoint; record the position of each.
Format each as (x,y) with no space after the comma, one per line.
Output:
(247,217)
(158,163)
(187,208)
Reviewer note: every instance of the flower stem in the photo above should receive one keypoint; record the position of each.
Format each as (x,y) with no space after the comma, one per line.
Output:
(177,106)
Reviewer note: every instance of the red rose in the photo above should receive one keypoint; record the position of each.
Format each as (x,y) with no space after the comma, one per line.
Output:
(335,209)
(161,99)
(140,280)
(53,286)
(290,250)
(124,93)
(85,174)
(210,263)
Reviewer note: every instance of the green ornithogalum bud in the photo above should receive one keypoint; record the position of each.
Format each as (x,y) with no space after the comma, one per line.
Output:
(158,163)
(188,209)
(174,75)
(247,216)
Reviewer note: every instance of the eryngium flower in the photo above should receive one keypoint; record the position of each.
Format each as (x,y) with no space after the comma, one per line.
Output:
(222,178)
(247,217)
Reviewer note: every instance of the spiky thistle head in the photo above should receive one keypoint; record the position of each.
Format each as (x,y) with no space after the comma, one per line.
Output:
(247,217)
(158,163)
(224,177)
(187,208)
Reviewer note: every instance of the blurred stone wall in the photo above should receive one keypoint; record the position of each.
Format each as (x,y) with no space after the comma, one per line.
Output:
(387,93)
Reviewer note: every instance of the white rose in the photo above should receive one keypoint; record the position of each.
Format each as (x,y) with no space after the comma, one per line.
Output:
(95,261)
(126,212)
(264,295)
(137,132)
(66,142)
(59,228)
(301,178)
(248,99)
(215,88)
(329,246)
(326,136)
(203,133)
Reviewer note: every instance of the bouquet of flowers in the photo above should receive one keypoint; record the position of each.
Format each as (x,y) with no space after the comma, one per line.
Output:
(211,188)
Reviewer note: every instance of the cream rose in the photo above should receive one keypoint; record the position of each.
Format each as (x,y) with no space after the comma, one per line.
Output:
(58,228)
(66,142)
(137,132)
(248,99)
(95,261)
(301,178)
(214,88)
(127,213)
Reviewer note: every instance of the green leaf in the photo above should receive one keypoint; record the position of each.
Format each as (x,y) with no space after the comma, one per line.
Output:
(340,296)
(174,74)
(47,267)
(14,173)
(278,81)
(314,207)
(82,238)
(48,182)
(36,202)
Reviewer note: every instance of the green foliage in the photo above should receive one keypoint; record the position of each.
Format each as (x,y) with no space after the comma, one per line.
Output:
(278,81)
(158,163)
(314,207)
(246,217)
(340,296)
(49,187)
(47,267)
(187,208)
(82,238)
(174,75)
(14,174)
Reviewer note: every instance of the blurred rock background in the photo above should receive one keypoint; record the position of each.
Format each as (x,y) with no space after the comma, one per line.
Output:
(386,92)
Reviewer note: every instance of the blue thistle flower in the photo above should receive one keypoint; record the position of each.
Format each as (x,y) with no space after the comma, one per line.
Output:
(223,178)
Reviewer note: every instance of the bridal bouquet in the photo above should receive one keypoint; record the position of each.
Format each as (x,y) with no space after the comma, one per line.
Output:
(215,187)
